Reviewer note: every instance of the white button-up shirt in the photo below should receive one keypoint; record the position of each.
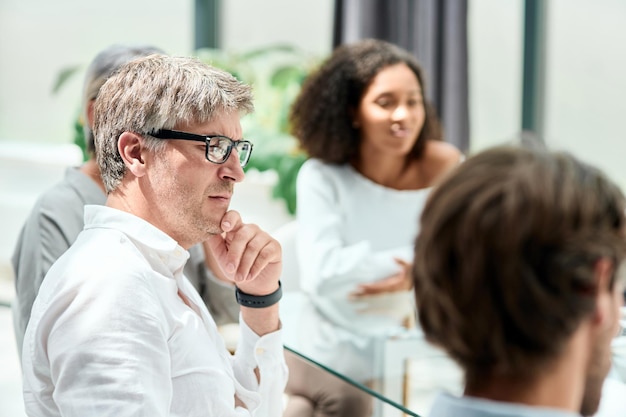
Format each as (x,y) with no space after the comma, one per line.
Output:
(109,335)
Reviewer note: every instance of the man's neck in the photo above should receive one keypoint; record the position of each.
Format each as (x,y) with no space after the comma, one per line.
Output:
(560,385)
(128,196)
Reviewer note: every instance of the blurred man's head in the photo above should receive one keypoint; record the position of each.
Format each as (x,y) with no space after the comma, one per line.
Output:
(102,66)
(518,249)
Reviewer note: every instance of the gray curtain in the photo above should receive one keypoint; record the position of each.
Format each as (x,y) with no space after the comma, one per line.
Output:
(435,31)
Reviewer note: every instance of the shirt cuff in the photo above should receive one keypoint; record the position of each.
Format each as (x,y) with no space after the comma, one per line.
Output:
(255,350)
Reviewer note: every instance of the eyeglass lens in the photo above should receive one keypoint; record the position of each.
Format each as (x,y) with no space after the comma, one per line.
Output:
(219,148)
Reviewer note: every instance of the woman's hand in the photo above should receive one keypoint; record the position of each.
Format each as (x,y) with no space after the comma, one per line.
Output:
(401,281)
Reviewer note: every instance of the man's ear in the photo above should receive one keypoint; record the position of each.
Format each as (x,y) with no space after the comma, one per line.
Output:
(89,120)
(602,274)
(130,147)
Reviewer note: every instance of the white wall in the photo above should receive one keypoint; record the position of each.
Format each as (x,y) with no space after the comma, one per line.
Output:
(586,82)
(248,24)
(495,70)
(39,37)
(585,77)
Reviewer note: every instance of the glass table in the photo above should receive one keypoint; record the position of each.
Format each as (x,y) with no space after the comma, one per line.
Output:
(407,372)
(404,374)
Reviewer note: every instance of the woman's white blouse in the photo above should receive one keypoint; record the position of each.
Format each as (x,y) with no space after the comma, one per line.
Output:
(349,231)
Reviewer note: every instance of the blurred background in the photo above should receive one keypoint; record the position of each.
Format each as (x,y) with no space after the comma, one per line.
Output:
(583,63)
(554,68)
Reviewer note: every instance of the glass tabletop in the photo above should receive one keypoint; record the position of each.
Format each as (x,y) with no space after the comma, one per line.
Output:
(399,370)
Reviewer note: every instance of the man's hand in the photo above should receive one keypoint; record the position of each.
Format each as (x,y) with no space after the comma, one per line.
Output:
(247,255)
(402,281)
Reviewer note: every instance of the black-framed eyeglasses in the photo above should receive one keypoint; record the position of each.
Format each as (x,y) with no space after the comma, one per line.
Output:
(218,148)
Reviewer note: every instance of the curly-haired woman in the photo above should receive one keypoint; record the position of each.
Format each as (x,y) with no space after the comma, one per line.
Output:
(376,151)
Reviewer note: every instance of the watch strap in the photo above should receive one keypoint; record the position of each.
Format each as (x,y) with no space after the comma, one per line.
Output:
(258,301)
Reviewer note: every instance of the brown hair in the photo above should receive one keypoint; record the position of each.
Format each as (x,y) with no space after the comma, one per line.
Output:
(504,263)
(321,116)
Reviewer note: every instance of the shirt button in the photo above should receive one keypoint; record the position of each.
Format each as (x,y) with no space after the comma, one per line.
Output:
(260,351)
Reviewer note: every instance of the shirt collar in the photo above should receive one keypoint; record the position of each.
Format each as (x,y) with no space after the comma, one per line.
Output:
(145,235)
(449,405)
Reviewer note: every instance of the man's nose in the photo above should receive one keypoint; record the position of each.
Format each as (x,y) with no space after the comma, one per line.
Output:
(231,169)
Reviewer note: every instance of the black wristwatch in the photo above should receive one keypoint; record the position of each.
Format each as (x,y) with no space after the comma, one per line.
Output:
(258,301)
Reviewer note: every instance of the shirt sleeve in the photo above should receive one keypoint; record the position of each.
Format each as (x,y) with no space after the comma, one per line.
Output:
(107,352)
(327,263)
(265,353)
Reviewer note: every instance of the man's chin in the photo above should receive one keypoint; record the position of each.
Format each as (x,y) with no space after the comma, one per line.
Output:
(211,220)
(205,230)
(214,228)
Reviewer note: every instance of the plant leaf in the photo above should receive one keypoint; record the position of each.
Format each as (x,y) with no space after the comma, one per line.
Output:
(260,52)
(63,76)
(286,75)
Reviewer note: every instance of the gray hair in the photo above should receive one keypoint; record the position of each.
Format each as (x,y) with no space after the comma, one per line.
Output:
(160,92)
(101,68)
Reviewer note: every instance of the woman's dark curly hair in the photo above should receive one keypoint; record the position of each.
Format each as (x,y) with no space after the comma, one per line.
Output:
(321,117)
